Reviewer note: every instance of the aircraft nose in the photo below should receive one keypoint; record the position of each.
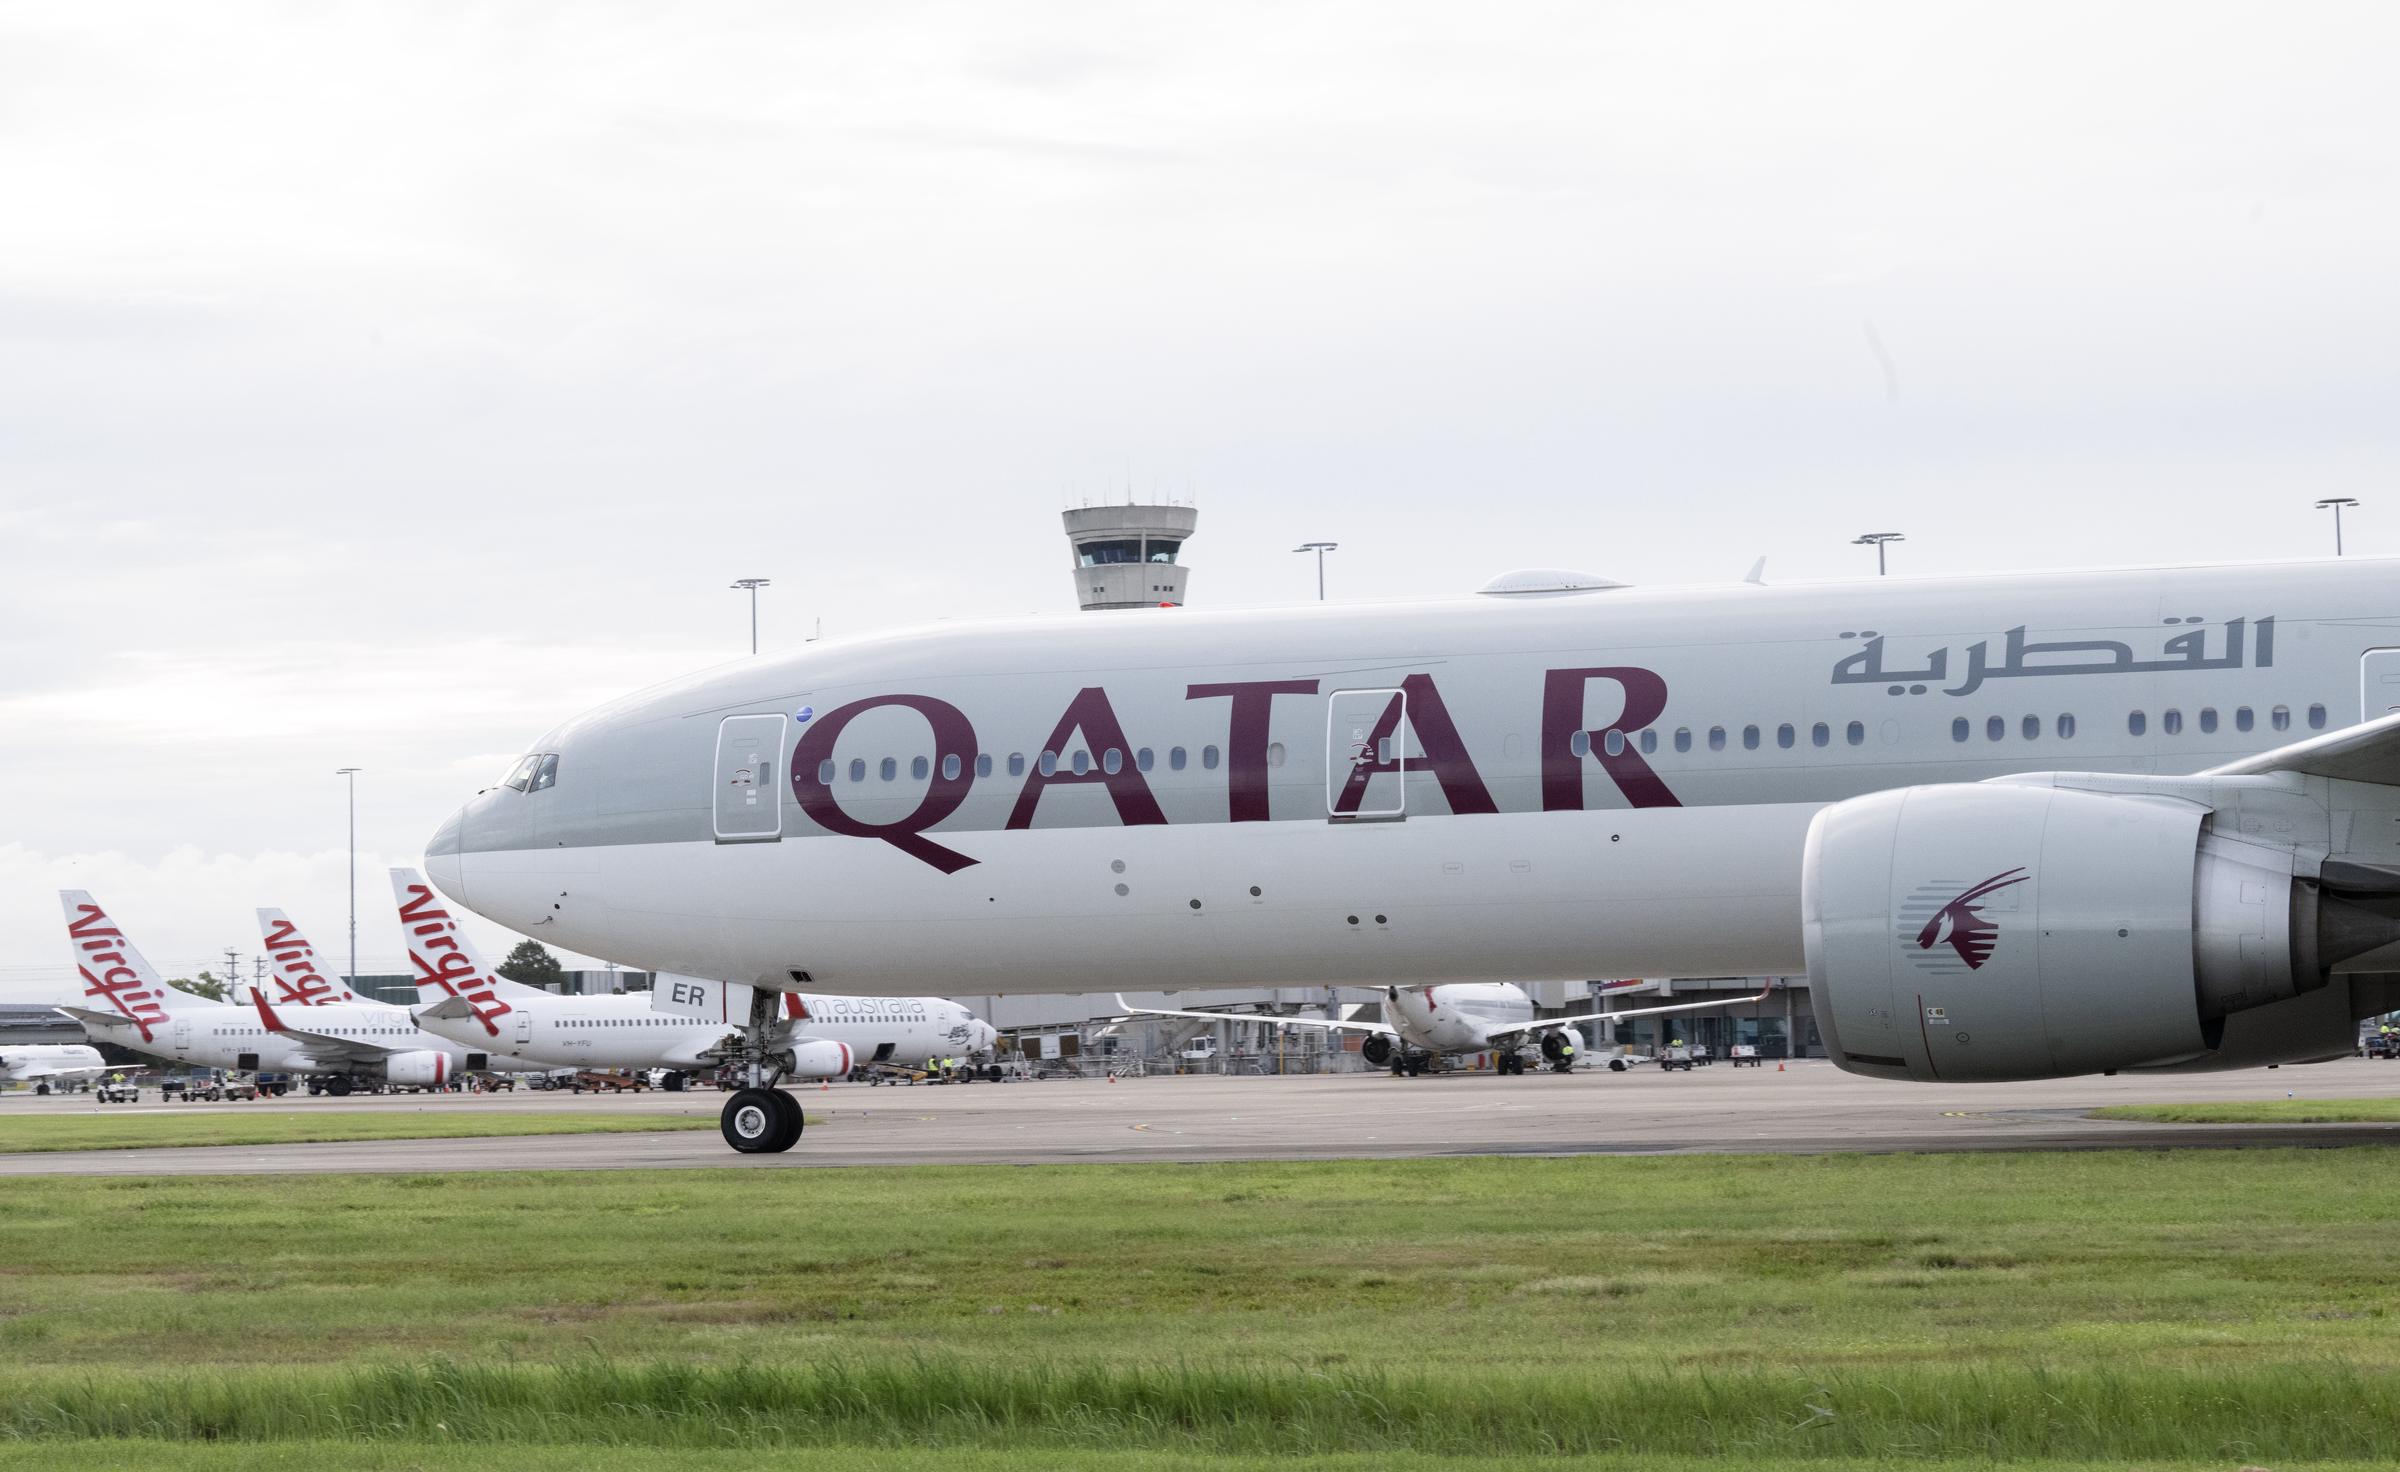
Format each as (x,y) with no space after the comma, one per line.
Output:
(445,856)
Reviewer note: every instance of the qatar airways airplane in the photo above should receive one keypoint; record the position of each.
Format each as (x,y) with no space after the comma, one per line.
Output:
(2009,826)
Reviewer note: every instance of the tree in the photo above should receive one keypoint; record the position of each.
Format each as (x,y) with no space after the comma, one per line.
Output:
(532,965)
(203,985)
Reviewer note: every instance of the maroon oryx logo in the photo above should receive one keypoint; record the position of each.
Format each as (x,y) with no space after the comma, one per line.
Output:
(1961,922)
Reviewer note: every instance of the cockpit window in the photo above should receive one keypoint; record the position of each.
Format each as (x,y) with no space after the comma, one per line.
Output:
(545,776)
(521,775)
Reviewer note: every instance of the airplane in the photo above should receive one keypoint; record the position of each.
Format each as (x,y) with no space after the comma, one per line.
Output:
(1425,1026)
(682,1025)
(51,1065)
(293,961)
(347,1043)
(2193,770)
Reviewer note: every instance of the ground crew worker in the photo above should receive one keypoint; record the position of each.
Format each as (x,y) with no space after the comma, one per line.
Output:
(933,1068)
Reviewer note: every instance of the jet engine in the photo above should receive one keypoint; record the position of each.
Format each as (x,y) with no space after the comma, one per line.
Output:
(820,1058)
(1377,1050)
(421,1068)
(1554,1045)
(1975,933)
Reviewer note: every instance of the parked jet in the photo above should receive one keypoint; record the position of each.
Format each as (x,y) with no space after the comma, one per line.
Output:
(1425,1023)
(682,1024)
(128,1003)
(2010,826)
(49,1066)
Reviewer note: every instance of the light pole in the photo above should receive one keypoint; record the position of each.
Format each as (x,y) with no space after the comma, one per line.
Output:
(1320,548)
(1877,540)
(351,775)
(2337,503)
(753,584)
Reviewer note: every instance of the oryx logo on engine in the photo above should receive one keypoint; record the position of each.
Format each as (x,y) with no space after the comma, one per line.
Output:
(1943,927)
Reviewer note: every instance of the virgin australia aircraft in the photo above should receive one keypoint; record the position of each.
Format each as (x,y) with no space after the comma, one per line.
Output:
(1427,1023)
(126,1002)
(2011,827)
(687,1027)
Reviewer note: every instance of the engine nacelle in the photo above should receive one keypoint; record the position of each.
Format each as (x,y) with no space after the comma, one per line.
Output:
(1377,1050)
(1554,1044)
(1976,933)
(419,1068)
(820,1058)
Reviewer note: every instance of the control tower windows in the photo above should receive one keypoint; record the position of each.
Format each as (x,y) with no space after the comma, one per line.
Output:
(1164,551)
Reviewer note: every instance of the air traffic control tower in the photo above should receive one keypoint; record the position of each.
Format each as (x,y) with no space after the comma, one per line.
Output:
(1125,555)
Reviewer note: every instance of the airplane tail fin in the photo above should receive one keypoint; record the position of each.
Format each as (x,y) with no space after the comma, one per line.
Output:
(117,979)
(445,961)
(300,981)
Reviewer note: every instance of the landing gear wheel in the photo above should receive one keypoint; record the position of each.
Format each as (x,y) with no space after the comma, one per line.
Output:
(761,1121)
(338,1086)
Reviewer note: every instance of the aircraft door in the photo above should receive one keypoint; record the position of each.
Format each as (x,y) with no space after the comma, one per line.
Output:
(749,765)
(524,1027)
(2379,683)
(1366,754)
(180,1036)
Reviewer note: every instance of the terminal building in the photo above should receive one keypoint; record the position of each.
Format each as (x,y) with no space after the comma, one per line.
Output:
(1125,556)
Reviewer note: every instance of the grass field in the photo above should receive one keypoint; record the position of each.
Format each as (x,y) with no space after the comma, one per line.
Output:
(2200,1309)
(2262,1111)
(237,1123)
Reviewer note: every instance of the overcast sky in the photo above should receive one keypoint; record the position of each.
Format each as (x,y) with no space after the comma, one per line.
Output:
(380,384)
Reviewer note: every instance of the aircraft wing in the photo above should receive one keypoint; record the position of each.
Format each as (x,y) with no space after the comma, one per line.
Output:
(2367,752)
(1329,1026)
(46,1071)
(1503,1030)
(322,1047)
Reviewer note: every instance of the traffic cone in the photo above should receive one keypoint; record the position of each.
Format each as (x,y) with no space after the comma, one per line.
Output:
(1779,1068)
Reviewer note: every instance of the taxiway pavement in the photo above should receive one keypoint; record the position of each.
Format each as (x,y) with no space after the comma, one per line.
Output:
(1810,1108)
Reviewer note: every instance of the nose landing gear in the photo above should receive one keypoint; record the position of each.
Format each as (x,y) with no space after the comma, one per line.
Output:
(761,1119)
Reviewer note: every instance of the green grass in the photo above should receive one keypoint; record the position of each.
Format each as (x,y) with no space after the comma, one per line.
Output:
(236,1122)
(2262,1111)
(2109,1307)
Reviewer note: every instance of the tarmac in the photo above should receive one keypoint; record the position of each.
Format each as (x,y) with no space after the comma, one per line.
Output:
(1809,1108)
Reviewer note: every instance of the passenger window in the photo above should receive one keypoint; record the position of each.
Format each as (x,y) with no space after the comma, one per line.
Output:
(1112,761)
(2242,719)
(2136,723)
(983,764)
(1580,743)
(2208,719)
(827,770)
(1994,728)
(1683,738)
(1649,741)
(1141,759)
(2280,718)
(2316,718)
(1208,758)
(2170,721)
(1081,761)
(1016,764)
(1820,734)
(1958,729)
(1749,738)
(2033,728)
(1274,753)
(889,769)
(1855,733)
(1174,758)
(2064,726)
(1716,738)
(920,768)
(1048,765)
(1614,742)
(858,769)
(950,766)
(1785,735)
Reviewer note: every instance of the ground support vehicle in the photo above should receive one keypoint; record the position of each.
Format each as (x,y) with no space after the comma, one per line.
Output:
(1745,1055)
(1670,1059)
(118,1091)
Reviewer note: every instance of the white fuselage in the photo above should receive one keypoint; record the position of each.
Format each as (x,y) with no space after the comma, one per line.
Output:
(50,1063)
(1497,789)
(1458,1018)
(625,1032)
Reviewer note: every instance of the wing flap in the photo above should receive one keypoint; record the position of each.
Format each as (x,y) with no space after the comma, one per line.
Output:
(2367,752)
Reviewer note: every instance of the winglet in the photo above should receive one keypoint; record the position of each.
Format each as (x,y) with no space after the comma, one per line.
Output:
(266,1013)
(1757,573)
